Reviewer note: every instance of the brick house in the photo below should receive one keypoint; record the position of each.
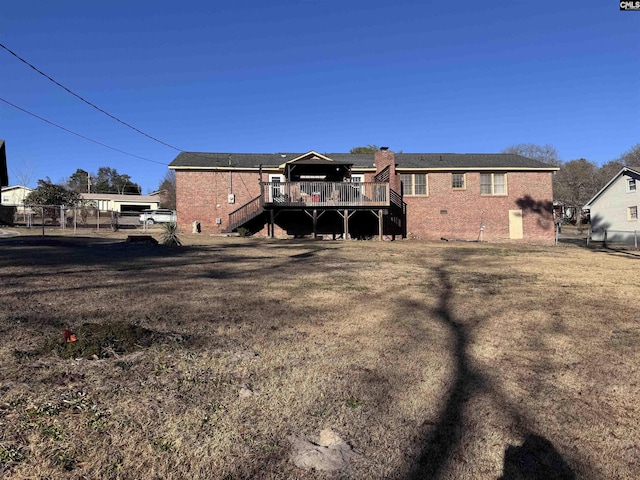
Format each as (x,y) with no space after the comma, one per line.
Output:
(490,197)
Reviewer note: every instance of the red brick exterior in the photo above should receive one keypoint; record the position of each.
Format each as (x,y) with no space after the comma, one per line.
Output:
(461,214)
(202,196)
(384,159)
(444,213)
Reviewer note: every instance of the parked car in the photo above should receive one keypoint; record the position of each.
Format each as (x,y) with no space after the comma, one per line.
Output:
(157,216)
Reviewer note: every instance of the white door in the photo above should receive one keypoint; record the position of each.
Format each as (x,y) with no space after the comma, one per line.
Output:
(275,190)
(358,179)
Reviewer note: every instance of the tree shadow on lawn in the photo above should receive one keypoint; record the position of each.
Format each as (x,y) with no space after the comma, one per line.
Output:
(447,431)
(441,438)
(535,459)
(69,251)
(67,265)
(621,253)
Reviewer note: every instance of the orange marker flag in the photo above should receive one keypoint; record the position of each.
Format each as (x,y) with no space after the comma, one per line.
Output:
(68,336)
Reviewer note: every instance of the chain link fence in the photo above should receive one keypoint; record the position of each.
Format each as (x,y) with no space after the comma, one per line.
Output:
(607,236)
(76,218)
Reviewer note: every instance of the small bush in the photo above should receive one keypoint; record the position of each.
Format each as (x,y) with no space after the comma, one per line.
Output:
(170,235)
(244,232)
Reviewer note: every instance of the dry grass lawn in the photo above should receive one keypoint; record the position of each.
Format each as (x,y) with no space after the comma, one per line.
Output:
(452,360)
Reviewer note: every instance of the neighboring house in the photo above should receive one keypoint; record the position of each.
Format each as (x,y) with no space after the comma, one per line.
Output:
(451,196)
(114,202)
(14,196)
(614,208)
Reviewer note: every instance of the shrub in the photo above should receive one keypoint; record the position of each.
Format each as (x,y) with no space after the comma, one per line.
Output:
(170,235)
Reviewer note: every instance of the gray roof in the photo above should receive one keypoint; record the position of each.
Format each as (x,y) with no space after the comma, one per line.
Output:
(366,160)
(467,160)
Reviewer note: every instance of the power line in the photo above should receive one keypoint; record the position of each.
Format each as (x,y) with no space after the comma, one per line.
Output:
(78,134)
(87,101)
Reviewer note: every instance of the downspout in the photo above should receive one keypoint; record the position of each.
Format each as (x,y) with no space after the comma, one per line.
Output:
(230,177)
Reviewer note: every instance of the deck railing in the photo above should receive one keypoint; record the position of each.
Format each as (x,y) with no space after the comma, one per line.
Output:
(326,194)
(384,175)
(245,213)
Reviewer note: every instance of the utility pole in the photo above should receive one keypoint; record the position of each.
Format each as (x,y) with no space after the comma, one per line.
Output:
(88,183)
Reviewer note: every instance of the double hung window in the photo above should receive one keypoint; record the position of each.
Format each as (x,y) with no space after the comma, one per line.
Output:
(493,184)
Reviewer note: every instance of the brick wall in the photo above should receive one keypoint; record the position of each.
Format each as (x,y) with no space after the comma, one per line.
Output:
(384,159)
(203,196)
(448,213)
(459,214)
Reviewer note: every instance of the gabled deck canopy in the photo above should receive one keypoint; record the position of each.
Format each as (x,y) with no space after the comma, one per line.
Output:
(316,167)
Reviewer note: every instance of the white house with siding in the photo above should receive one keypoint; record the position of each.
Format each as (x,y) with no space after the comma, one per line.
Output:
(113,202)
(14,196)
(614,209)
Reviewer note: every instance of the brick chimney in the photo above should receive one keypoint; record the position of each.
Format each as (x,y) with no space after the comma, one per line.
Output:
(384,158)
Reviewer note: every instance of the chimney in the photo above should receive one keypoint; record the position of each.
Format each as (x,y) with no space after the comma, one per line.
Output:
(384,158)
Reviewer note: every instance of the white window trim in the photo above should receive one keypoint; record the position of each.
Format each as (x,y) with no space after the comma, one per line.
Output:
(273,190)
(493,194)
(464,181)
(629,217)
(413,185)
(635,185)
(358,178)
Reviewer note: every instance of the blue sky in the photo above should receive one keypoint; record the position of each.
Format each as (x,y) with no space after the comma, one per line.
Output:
(324,75)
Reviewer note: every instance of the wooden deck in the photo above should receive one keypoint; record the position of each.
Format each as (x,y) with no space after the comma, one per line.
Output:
(362,209)
(337,195)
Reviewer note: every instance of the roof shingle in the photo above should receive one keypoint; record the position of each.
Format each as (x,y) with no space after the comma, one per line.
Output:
(403,160)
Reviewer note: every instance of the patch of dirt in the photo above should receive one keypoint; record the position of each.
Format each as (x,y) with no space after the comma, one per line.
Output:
(104,340)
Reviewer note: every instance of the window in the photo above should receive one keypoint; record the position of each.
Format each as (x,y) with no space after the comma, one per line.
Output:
(420,184)
(493,184)
(407,184)
(458,181)
(414,183)
(631,184)
(632,213)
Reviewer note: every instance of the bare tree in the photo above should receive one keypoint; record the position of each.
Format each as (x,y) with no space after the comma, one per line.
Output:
(24,174)
(575,183)
(607,171)
(167,189)
(543,153)
(631,158)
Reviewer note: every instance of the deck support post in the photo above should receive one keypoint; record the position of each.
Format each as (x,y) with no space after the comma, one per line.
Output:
(346,224)
(380,224)
(315,224)
(273,222)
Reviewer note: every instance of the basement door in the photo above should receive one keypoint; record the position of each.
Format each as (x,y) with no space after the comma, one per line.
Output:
(515,225)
